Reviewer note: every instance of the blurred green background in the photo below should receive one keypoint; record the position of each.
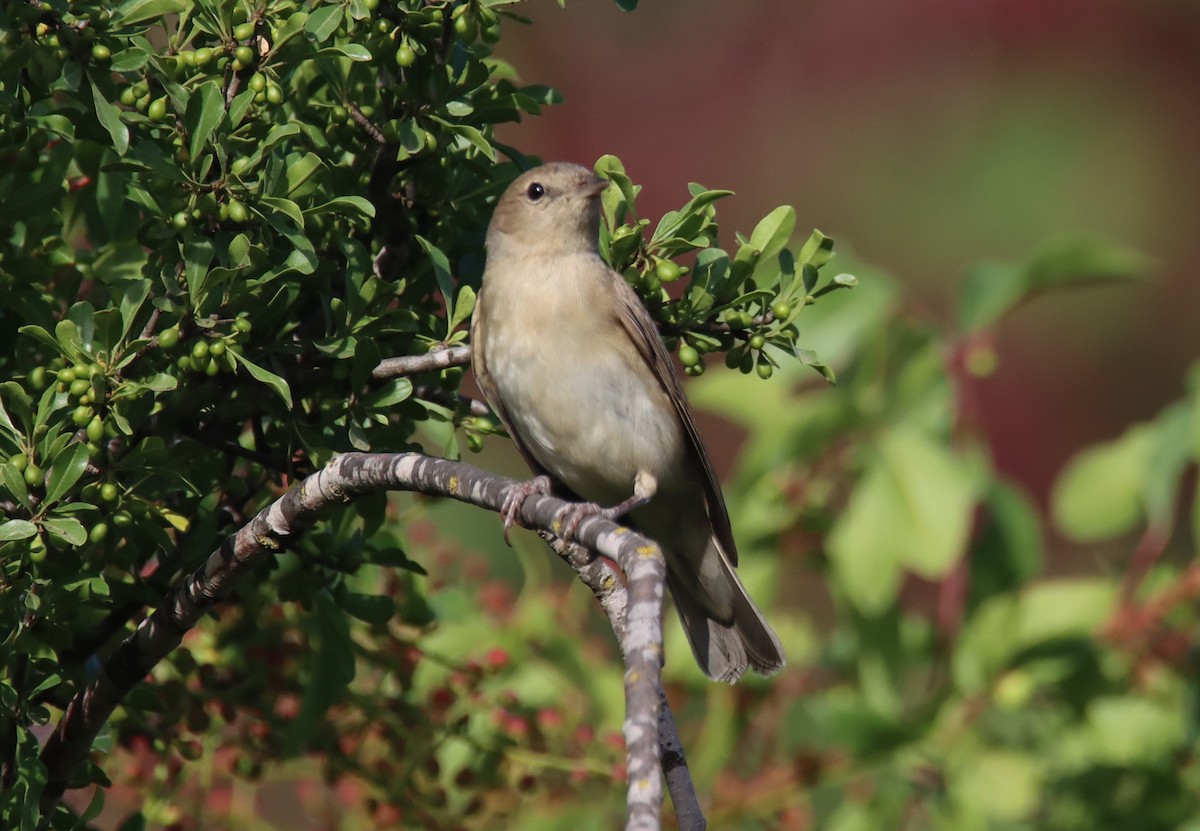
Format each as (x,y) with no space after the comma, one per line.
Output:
(924,136)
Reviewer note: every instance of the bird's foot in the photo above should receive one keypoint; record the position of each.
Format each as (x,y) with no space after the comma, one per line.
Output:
(580,511)
(515,497)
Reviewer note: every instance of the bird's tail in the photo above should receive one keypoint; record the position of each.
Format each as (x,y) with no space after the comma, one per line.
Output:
(724,649)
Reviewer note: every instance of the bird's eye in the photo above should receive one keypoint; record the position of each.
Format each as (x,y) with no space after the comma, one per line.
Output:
(535,192)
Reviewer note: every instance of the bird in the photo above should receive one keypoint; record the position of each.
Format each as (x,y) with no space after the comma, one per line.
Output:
(573,365)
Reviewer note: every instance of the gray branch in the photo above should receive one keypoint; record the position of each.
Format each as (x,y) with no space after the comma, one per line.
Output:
(638,625)
(606,584)
(412,364)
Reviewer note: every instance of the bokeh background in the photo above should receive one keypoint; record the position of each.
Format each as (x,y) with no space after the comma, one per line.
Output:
(925,136)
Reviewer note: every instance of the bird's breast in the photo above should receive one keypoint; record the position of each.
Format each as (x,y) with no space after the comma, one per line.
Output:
(579,394)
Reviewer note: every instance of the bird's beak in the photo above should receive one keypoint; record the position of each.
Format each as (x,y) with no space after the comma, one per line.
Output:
(593,188)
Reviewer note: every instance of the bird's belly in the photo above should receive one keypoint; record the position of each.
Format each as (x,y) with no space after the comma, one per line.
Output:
(588,416)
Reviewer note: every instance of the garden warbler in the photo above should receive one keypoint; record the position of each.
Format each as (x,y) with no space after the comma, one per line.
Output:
(572,363)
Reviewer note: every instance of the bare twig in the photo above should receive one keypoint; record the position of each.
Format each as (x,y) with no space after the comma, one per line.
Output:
(412,364)
(345,478)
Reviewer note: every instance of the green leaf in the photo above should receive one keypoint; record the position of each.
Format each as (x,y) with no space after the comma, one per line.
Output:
(267,377)
(1129,730)
(353,51)
(354,203)
(390,394)
(65,471)
(300,171)
(473,137)
(67,334)
(239,251)
(1001,785)
(66,528)
(989,290)
(865,564)
(284,206)
(110,119)
(912,508)
(817,250)
(323,22)
(1170,452)
(136,11)
(369,608)
(205,109)
(773,232)
(441,271)
(16,529)
(14,482)
(197,256)
(462,307)
(1099,494)
(42,335)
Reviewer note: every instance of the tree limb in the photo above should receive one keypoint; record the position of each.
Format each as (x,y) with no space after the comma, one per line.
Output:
(412,364)
(607,586)
(349,476)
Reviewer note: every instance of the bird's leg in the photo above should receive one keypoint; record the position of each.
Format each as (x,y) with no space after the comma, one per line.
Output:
(644,488)
(515,496)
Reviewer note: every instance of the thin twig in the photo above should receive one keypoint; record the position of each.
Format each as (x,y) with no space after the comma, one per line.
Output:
(412,364)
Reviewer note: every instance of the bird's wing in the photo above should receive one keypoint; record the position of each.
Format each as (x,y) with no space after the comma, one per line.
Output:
(488,385)
(644,334)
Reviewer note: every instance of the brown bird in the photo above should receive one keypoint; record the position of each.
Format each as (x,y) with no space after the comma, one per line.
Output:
(574,366)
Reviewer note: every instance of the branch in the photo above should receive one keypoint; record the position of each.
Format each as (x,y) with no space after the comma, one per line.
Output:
(608,588)
(349,476)
(412,364)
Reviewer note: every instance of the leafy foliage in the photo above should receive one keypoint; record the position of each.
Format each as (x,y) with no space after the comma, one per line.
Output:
(218,218)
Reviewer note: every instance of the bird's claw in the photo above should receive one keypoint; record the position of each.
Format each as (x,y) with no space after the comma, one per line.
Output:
(515,497)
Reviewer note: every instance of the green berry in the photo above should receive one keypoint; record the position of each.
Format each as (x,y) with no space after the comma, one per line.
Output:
(688,355)
(79,386)
(274,94)
(667,271)
(37,550)
(203,56)
(237,212)
(34,475)
(82,415)
(757,341)
(244,55)
(169,338)
(37,378)
(243,325)
(781,309)
(243,31)
(405,56)
(764,370)
(212,367)
(109,493)
(66,375)
(217,348)
(20,461)
(257,82)
(200,349)
(100,52)
(181,221)
(157,110)
(99,533)
(95,429)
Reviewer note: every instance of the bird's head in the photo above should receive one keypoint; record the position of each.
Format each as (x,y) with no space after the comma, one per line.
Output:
(553,209)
